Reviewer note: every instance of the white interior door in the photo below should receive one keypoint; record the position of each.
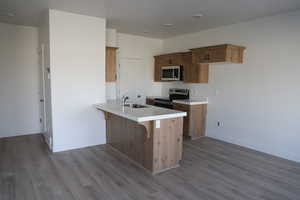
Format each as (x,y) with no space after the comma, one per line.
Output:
(131,79)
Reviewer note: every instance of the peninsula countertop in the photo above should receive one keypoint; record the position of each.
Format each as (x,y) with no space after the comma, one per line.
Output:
(148,113)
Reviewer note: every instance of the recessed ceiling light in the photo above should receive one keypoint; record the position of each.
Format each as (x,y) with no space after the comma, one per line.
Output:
(198,15)
(168,25)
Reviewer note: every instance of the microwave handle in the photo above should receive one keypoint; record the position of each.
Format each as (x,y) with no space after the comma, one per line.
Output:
(173,73)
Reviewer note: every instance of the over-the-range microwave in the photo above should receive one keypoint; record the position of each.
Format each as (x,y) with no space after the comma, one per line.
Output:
(172,73)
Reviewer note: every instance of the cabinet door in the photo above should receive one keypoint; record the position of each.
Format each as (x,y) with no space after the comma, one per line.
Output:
(210,54)
(235,54)
(187,62)
(201,55)
(186,120)
(176,59)
(217,54)
(157,69)
(170,59)
(165,60)
(197,73)
(111,64)
(197,122)
(150,101)
(194,72)
(194,123)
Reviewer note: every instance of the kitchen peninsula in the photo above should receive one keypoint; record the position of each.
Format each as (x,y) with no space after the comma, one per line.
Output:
(148,135)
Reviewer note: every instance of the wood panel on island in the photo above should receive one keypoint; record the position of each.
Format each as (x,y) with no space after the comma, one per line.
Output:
(154,148)
(196,62)
(150,137)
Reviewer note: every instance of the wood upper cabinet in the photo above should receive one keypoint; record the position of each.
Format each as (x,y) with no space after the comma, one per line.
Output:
(170,59)
(173,59)
(194,72)
(218,53)
(196,62)
(111,64)
(157,69)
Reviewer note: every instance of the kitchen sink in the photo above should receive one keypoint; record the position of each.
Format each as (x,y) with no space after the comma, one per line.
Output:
(135,105)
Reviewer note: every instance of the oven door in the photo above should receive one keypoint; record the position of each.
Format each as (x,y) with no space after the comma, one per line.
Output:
(171,73)
(163,104)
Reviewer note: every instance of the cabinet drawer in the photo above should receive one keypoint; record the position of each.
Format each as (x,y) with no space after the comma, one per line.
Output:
(181,107)
(149,101)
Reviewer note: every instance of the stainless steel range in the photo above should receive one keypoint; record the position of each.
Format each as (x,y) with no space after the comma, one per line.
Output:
(174,94)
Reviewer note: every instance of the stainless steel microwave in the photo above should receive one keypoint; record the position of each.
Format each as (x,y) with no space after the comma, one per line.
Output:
(172,73)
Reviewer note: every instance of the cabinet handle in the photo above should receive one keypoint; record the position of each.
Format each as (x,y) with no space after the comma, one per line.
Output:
(207,57)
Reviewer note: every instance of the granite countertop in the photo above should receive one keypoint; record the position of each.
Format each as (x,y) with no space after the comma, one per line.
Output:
(148,113)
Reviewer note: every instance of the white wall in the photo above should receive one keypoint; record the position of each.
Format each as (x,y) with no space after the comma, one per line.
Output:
(44,42)
(111,37)
(258,101)
(77,52)
(19,80)
(136,73)
(111,41)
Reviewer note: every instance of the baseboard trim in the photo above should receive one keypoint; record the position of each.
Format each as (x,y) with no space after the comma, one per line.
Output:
(20,135)
(228,141)
(62,148)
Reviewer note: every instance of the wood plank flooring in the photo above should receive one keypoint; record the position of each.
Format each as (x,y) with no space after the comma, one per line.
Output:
(210,170)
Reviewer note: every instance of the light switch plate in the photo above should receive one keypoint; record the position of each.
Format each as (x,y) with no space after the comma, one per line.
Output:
(157,124)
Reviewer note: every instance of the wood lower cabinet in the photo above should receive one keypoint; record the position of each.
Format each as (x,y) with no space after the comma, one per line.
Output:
(111,64)
(218,53)
(150,101)
(194,124)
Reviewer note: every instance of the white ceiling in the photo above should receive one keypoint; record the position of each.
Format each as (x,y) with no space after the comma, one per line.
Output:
(138,16)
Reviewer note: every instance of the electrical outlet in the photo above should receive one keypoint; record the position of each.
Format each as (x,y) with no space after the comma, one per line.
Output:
(217,92)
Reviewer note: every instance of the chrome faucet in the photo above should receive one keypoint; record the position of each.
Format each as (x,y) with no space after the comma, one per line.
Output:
(124,99)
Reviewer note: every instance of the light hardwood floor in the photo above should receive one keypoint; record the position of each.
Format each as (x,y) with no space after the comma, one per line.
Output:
(210,170)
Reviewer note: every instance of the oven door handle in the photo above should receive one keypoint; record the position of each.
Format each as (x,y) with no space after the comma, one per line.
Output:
(162,102)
